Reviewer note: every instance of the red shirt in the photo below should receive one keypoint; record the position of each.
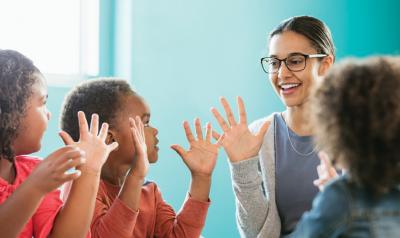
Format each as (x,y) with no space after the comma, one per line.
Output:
(41,223)
(155,218)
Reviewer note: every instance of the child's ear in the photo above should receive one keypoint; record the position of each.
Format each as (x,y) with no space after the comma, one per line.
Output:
(110,137)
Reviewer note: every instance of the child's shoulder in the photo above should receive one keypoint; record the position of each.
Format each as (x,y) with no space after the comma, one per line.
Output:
(27,162)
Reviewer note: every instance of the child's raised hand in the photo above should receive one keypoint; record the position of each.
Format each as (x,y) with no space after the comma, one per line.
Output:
(202,154)
(51,172)
(91,141)
(237,140)
(141,164)
(326,172)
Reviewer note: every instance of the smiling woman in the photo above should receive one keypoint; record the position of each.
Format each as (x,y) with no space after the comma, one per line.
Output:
(270,203)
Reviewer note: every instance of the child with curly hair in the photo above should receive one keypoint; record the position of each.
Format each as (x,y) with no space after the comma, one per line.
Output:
(127,205)
(357,111)
(30,204)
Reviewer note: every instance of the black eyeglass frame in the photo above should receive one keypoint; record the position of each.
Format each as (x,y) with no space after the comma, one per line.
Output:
(306,56)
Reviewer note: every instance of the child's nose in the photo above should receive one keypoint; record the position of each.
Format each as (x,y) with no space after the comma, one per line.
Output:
(48,115)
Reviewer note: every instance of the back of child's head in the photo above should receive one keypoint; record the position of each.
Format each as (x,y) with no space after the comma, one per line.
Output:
(357,113)
(17,76)
(103,96)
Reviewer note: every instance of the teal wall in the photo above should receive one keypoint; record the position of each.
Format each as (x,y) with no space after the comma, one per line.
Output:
(182,55)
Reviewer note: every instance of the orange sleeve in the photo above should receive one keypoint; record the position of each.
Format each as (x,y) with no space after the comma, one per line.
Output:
(189,222)
(118,220)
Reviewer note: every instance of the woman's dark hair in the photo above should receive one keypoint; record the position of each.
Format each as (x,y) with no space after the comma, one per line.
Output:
(357,113)
(315,30)
(103,96)
(17,76)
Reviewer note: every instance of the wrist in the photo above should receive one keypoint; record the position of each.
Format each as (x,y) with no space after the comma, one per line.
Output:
(135,175)
(201,177)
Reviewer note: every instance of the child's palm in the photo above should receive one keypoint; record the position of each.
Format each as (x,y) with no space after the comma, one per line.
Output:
(92,141)
(201,157)
(51,172)
(140,166)
(202,154)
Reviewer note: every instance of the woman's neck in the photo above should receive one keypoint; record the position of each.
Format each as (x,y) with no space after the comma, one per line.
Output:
(298,119)
(114,173)
(7,170)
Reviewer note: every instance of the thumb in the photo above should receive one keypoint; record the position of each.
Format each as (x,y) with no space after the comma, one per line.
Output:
(113,146)
(67,139)
(264,129)
(178,149)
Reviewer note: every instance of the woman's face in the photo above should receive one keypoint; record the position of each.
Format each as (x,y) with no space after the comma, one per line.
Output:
(294,87)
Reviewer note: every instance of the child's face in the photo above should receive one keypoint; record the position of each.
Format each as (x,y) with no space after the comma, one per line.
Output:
(134,106)
(34,124)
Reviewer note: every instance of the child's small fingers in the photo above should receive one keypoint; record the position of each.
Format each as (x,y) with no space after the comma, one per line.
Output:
(113,146)
(199,132)
(67,139)
(215,135)
(83,125)
(188,132)
(103,131)
(62,155)
(320,171)
(178,149)
(140,126)
(220,140)
(208,132)
(72,176)
(94,124)
(72,163)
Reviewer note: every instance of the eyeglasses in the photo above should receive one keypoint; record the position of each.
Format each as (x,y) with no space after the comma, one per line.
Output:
(295,62)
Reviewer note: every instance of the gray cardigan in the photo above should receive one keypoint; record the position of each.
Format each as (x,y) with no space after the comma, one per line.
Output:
(254,187)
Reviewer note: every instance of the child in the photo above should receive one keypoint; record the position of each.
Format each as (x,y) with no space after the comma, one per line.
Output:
(30,204)
(127,205)
(357,111)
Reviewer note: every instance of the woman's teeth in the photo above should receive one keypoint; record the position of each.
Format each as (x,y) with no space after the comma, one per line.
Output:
(289,86)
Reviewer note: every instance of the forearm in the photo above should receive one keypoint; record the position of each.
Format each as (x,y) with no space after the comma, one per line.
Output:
(200,187)
(131,191)
(17,209)
(75,217)
(251,202)
(117,221)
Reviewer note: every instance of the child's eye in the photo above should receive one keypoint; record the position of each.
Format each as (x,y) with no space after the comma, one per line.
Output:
(146,124)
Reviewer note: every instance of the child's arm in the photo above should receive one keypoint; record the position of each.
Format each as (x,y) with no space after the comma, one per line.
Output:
(47,176)
(75,217)
(200,159)
(120,219)
(189,221)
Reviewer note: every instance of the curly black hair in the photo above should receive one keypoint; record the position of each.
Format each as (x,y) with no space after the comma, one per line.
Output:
(357,111)
(17,76)
(103,96)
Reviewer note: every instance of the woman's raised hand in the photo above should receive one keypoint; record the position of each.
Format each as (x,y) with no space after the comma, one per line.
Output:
(237,140)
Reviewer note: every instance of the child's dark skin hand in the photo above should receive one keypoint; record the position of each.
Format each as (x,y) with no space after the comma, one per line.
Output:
(200,159)
(50,173)
(140,165)
(92,142)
